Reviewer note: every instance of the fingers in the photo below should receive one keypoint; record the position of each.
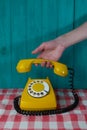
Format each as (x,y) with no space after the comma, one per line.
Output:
(45,64)
(48,64)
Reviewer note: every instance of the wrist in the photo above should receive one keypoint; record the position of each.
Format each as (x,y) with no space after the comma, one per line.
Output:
(60,46)
(62,41)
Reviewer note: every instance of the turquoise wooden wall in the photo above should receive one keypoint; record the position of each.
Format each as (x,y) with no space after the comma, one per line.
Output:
(25,24)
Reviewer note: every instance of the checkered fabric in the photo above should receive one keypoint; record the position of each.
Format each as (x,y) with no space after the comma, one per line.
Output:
(73,120)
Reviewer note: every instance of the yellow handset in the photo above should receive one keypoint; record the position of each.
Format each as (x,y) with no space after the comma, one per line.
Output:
(25,66)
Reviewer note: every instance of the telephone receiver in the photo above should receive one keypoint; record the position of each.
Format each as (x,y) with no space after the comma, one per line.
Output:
(26,64)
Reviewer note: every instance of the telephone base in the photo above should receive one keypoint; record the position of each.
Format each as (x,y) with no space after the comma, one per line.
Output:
(38,94)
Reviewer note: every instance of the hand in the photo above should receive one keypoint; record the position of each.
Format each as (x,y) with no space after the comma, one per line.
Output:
(51,50)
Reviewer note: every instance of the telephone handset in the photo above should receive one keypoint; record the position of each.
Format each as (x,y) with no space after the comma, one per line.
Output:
(38,97)
(25,66)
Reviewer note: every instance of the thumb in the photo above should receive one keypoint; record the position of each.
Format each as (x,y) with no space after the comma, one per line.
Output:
(38,49)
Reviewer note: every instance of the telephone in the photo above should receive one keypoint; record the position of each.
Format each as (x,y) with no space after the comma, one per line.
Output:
(38,95)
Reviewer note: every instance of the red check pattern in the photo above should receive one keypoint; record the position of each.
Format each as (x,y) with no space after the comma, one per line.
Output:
(73,120)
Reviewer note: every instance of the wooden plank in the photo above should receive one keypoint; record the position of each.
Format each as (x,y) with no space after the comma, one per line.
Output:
(18,39)
(80,50)
(5,46)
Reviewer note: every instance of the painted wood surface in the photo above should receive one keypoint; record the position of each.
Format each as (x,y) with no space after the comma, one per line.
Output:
(25,24)
(80,50)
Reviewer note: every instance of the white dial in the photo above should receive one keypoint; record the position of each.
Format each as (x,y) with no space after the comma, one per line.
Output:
(33,92)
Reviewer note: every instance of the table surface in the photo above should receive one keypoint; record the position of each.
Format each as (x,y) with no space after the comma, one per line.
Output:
(73,120)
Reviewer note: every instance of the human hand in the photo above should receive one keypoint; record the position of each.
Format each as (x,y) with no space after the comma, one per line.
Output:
(51,50)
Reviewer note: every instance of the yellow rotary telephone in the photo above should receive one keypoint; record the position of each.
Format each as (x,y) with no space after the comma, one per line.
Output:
(38,95)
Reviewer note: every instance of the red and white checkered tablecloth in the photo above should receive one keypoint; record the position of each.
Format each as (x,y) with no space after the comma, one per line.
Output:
(73,120)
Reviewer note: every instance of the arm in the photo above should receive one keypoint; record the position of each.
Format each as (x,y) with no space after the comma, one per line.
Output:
(74,36)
